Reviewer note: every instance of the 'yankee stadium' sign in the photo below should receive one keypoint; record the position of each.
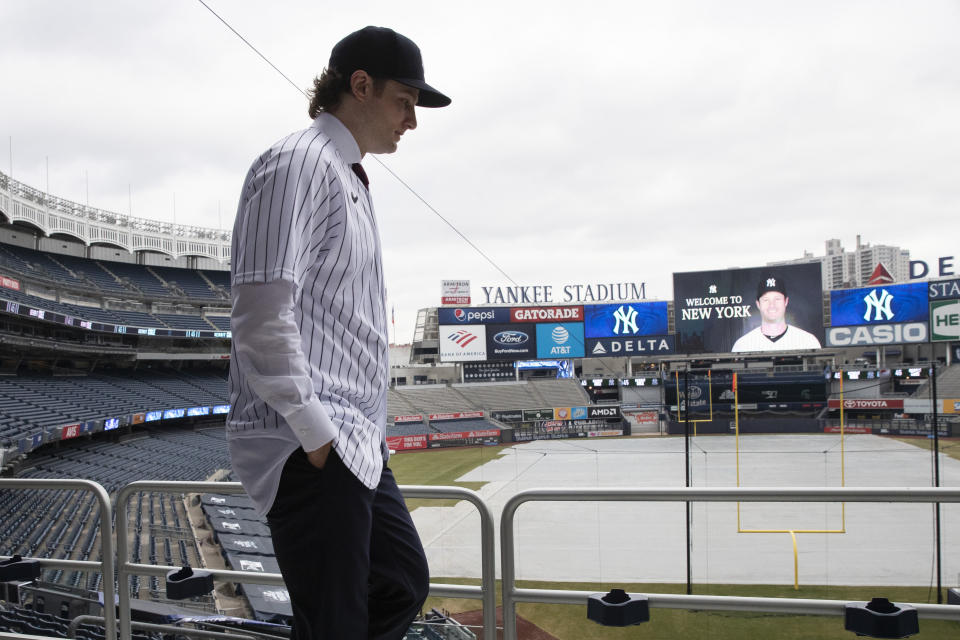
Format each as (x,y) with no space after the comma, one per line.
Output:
(546,294)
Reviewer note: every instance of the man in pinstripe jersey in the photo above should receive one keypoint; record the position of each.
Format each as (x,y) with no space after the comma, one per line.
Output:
(309,363)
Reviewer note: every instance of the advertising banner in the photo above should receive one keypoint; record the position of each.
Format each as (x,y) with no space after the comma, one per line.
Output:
(944,320)
(535,415)
(460,415)
(487,371)
(645,417)
(564,368)
(850,428)
(563,340)
(628,319)
(890,304)
(9,283)
(561,413)
(603,412)
(508,416)
(406,443)
(773,308)
(69,431)
(473,315)
(463,343)
(951,405)
(863,403)
(464,435)
(455,292)
(546,314)
(578,413)
(137,418)
(511,342)
(944,289)
(877,334)
(413,418)
(620,347)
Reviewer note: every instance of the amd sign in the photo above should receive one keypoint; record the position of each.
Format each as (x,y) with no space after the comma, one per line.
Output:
(603,412)
(877,334)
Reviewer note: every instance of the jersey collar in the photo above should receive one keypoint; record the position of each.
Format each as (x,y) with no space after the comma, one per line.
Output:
(340,135)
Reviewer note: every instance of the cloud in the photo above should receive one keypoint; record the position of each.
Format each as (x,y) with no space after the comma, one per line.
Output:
(607,142)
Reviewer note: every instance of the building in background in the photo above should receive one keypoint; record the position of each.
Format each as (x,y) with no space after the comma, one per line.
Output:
(843,269)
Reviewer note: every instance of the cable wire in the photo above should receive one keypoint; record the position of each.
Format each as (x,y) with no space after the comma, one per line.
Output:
(381,162)
(255,50)
(413,191)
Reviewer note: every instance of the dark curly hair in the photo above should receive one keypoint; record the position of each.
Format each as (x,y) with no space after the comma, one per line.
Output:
(328,90)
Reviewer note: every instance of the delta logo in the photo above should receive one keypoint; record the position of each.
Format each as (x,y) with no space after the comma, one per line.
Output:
(462,338)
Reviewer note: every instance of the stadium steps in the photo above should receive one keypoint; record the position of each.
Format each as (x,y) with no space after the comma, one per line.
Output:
(170,288)
(561,393)
(465,399)
(125,285)
(398,405)
(65,270)
(435,398)
(948,384)
(535,392)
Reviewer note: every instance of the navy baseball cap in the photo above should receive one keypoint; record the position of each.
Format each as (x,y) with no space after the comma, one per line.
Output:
(384,53)
(770,283)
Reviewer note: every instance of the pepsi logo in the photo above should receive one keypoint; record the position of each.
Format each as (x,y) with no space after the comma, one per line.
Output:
(460,315)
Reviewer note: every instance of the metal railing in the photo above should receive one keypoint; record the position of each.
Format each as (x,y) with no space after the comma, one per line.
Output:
(486,592)
(512,595)
(160,628)
(107,555)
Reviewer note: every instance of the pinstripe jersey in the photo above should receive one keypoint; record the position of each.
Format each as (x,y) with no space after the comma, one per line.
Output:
(305,218)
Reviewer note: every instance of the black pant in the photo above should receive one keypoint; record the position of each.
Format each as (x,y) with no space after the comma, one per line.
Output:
(350,556)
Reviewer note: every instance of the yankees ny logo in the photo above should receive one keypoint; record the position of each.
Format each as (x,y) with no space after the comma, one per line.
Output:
(628,318)
(879,306)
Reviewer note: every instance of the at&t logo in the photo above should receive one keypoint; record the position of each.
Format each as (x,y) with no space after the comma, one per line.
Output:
(560,335)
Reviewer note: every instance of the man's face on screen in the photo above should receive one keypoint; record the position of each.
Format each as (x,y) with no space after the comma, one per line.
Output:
(772,306)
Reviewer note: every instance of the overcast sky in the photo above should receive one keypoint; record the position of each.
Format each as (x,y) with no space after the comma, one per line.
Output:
(586,142)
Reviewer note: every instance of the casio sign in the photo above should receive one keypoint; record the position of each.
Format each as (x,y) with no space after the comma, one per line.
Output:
(510,337)
(877,334)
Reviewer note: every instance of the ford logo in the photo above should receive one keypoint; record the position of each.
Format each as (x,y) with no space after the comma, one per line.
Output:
(511,337)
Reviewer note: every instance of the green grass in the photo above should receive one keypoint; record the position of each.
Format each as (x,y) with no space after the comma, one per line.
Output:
(948,446)
(569,622)
(440,467)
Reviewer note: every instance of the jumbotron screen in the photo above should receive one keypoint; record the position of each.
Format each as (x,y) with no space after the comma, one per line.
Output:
(758,309)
